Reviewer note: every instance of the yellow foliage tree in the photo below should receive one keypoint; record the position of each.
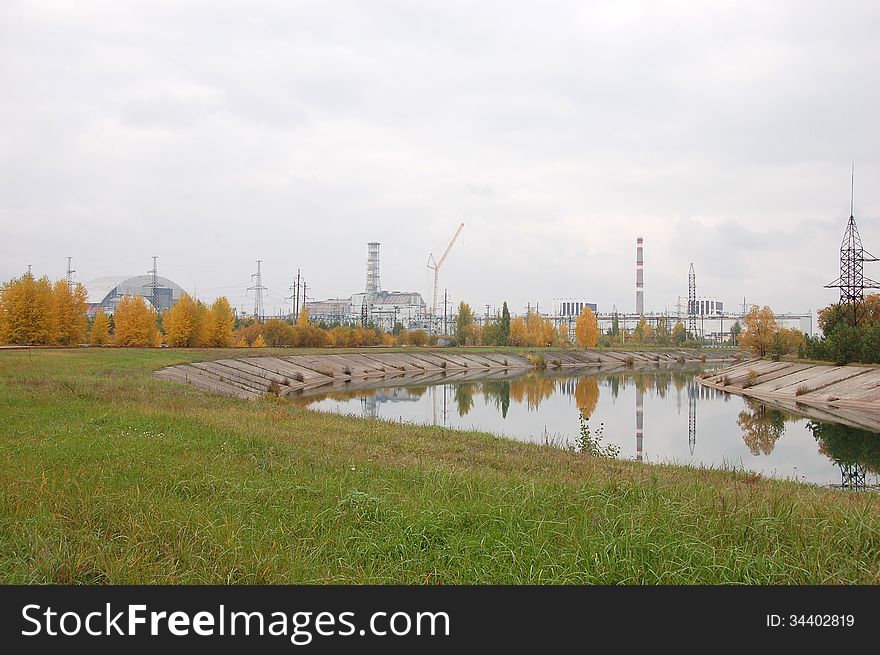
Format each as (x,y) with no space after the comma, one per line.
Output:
(135,323)
(540,331)
(519,335)
(69,306)
(792,340)
(760,326)
(27,312)
(586,329)
(186,323)
(259,342)
(303,318)
(99,334)
(219,324)
(563,334)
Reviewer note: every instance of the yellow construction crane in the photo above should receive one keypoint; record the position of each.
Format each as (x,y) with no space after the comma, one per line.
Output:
(432,263)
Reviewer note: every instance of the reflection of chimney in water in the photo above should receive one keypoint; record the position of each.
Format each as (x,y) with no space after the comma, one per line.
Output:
(640,419)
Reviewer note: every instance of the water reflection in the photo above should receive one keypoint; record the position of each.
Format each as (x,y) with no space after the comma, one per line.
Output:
(733,431)
(855,451)
(762,426)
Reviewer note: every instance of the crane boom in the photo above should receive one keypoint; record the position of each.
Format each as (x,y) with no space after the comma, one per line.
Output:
(449,247)
(432,263)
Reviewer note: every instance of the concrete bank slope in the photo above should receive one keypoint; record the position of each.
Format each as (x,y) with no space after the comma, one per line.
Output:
(254,377)
(843,394)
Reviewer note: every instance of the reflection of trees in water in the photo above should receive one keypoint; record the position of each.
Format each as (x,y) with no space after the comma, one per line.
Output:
(615,386)
(656,381)
(532,390)
(498,391)
(586,395)
(846,445)
(416,392)
(464,398)
(762,426)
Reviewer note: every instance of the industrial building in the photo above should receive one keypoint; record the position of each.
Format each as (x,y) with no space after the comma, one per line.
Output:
(104,292)
(571,307)
(373,305)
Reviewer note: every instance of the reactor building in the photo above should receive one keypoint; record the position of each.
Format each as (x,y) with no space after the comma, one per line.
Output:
(373,305)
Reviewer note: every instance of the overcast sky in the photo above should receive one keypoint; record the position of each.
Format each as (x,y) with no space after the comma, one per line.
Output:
(214,133)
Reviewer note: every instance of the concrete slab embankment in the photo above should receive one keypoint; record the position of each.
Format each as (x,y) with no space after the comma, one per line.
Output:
(846,394)
(252,377)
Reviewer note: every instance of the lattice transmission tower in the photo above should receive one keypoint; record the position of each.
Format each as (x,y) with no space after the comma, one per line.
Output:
(852,281)
(258,289)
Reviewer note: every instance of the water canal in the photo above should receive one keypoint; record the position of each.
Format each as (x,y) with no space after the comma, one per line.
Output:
(660,416)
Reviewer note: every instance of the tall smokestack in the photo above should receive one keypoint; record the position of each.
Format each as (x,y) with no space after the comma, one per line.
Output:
(373,286)
(640,278)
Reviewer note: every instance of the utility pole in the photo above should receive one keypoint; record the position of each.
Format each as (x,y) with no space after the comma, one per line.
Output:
(445,296)
(70,273)
(294,296)
(29,271)
(258,289)
(303,299)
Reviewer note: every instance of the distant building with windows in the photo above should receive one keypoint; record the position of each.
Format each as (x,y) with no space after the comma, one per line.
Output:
(571,307)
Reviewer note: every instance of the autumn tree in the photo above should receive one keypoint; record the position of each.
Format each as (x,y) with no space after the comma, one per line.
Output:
(760,326)
(679,334)
(540,330)
(792,341)
(27,311)
(276,332)
(135,323)
(99,333)
(69,304)
(186,323)
(463,321)
(519,335)
(586,329)
(221,318)
(563,334)
(662,332)
(259,342)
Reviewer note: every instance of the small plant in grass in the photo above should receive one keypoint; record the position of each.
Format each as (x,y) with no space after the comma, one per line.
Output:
(274,389)
(347,370)
(298,377)
(750,378)
(629,360)
(802,390)
(724,381)
(591,444)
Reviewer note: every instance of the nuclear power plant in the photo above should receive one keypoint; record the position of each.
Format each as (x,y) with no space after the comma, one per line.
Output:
(372,305)
(703,316)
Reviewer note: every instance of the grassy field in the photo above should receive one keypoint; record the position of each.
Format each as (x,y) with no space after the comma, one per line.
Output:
(110,476)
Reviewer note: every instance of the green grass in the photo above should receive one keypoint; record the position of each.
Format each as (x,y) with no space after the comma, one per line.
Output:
(110,476)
